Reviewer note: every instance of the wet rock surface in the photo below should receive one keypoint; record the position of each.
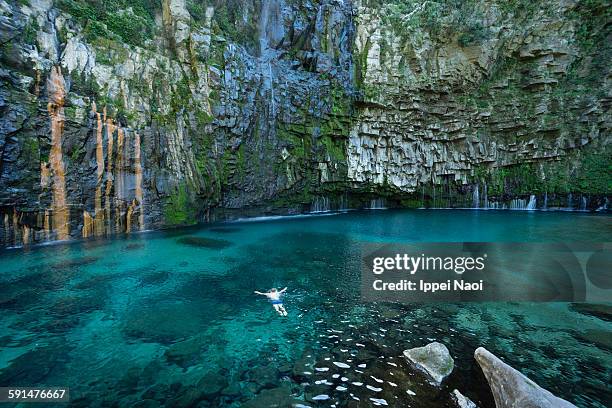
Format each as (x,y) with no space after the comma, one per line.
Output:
(433,359)
(511,389)
(462,401)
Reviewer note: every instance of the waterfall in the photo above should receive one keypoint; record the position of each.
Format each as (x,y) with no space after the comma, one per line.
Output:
(271,79)
(320,204)
(532,203)
(518,204)
(570,201)
(377,204)
(545,200)
(604,207)
(475,198)
(343,205)
(583,203)
(423,197)
(486,197)
(270,32)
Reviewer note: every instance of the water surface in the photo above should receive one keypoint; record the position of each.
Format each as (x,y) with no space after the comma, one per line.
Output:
(170,317)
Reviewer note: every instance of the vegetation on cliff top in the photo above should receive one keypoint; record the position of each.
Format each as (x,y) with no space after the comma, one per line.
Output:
(131,21)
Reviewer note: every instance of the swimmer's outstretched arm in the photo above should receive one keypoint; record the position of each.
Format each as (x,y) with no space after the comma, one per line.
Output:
(259,293)
(283,290)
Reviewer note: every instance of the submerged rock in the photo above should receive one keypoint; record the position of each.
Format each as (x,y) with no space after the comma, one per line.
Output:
(512,389)
(225,230)
(202,242)
(187,352)
(433,359)
(211,385)
(461,400)
(273,398)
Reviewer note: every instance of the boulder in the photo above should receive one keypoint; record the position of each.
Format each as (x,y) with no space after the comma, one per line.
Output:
(512,389)
(461,400)
(433,359)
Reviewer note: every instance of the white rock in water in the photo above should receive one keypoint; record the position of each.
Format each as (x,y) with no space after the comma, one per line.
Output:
(320,397)
(322,368)
(462,401)
(409,392)
(512,389)
(378,401)
(433,359)
(369,387)
(341,365)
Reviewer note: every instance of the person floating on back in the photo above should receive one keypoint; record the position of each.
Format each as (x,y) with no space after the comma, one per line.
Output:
(275,297)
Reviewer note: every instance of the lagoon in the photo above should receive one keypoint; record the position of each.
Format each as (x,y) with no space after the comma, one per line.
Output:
(170,317)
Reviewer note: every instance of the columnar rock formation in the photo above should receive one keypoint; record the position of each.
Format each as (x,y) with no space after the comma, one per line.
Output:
(250,106)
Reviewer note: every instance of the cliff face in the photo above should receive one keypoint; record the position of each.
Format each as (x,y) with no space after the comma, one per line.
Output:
(132,115)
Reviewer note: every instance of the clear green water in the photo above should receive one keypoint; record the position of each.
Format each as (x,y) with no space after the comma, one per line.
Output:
(172,319)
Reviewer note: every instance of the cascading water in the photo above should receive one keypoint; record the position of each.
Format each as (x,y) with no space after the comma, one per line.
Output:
(570,202)
(475,198)
(271,79)
(320,204)
(485,197)
(518,204)
(604,207)
(583,203)
(532,203)
(377,204)
(545,207)
(343,205)
(270,31)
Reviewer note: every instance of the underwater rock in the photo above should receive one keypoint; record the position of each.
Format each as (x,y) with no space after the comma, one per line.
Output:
(33,366)
(232,390)
(265,377)
(599,310)
(75,263)
(433,359)
(146,403)
(95,282)
(462,401)
(201,242)
(512,389)
(185,353)
(167,324)
(72,305)
(274,398)
(225,230)
(154,278)
(211,385)
(134,246)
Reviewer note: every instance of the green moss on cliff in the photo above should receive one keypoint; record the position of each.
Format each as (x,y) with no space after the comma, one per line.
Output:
(178,208)
(587,171)
(131,21)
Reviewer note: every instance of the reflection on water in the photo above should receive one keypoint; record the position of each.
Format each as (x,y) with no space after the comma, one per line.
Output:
(171,317)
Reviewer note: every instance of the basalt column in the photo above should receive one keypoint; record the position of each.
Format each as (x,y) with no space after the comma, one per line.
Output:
(56,90)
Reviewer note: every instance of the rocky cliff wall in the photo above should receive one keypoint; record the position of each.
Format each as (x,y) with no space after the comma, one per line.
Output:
(121,116)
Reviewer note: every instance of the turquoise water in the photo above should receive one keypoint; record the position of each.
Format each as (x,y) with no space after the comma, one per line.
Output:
(171,318)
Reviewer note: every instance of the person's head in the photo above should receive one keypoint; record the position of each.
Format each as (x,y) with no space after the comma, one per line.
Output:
(273,290)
